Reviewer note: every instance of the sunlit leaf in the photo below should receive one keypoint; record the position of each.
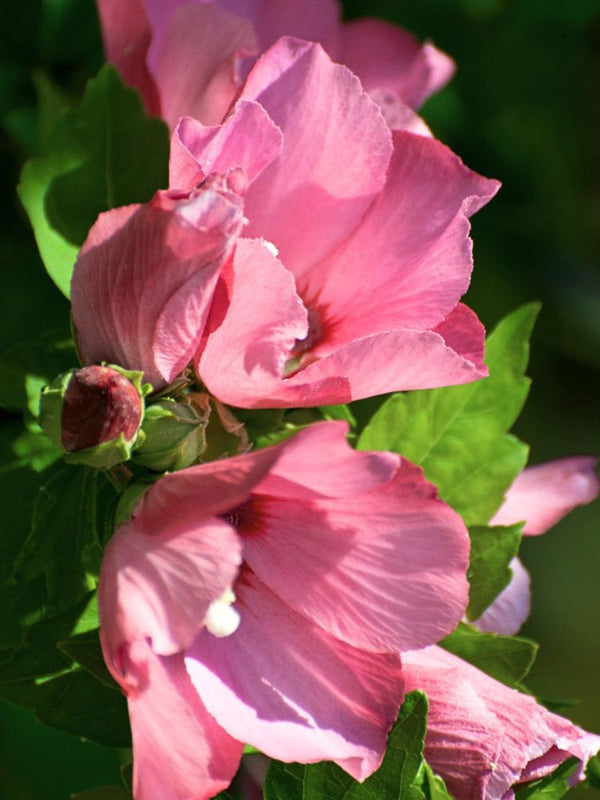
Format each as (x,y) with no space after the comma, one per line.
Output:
(396,779)
(458,434)
(492,549)
(506,658)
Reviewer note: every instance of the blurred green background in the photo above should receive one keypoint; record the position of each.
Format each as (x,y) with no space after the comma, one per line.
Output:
(523,108)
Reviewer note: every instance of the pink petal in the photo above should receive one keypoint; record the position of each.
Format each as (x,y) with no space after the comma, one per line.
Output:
(335,153)
(126,34)
(511,608)
(544,494)
(318,462)
(247,139)
(386,362)
(244,359)
(382,570)
(415,241)
(193,59)
(398,116)
(386,57)
(160,586)
(297,694)
(245,355)
(144,279)
(314,20)
(179,751)
(482,736)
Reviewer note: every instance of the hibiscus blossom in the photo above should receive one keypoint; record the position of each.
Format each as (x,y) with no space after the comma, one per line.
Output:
(189,58)
(264,599)
(540,497)
(347,280)
(482,736)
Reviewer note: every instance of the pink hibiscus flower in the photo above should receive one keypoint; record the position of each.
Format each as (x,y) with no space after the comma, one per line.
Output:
(189,58)
(354,258)
(264,599)
(482,736)
(541,496)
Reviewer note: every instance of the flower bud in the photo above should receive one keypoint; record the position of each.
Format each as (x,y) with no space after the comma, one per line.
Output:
(173,436)
(94,414)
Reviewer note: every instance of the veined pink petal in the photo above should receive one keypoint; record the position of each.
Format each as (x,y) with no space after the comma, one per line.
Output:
(291,690)
(386,57)
(409,262)
(343,473)
(483,737)
(544,494)
(511,608)
(385,568)
(180,751)
(127,35)
(144,279)
(386,362)
(247,139)
(193,59)
(160,586)
(336,150)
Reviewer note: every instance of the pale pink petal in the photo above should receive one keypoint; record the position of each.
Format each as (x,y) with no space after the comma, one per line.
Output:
(398,115)
(335,154)
(511,608)
(144,279)
(386,57)
(126,35)
(193,59)
(247,139)
(482,736)
(542,495)
(179,750)
(383,570)
(294,692)
(413,246)
(160,586)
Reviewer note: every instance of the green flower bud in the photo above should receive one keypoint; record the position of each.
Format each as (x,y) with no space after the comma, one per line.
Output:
(173,436)
(94,414)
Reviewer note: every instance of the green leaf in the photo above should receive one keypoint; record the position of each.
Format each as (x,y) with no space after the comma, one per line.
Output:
(66,532)
(103,793)
(506,658)
(592,772)
(39,655)
(42,360)
(342,412)
(104,154)
(551,787)
(84,649)
(394,780)
(77,703)
(492,549)
(458,434)
(24,602)
(433,786)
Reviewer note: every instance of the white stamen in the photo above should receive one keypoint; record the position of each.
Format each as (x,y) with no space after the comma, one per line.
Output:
(222,619)
(270,247)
